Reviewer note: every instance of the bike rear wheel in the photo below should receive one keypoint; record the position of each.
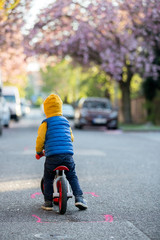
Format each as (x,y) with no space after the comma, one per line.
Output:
(55,200)
(62,189)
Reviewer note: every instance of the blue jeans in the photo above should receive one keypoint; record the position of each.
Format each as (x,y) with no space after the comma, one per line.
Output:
(50,164)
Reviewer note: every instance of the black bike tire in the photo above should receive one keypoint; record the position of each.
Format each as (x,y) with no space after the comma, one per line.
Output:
(63,195)
(42,185)
(42,190)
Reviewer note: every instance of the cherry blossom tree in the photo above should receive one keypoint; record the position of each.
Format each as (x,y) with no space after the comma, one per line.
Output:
(12,57)
(6,7)
(120,36)
(145,19)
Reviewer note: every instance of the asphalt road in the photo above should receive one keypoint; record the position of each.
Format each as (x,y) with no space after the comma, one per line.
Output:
(118,172)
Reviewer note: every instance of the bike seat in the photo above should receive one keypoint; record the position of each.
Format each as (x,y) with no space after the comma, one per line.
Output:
(61,168)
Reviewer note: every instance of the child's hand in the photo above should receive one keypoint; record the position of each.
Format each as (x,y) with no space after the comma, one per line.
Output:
(39,155)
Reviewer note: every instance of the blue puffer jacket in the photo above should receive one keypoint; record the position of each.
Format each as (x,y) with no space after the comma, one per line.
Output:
(58,136)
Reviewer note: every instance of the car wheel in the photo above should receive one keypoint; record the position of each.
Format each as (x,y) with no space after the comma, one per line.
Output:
(17,119)
(112,127)
(75,126)
(78,126)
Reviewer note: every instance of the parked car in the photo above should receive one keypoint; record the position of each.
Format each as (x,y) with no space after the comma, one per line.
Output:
(68,111)
(11,94)
(25,107)
(96,112)
(6,116)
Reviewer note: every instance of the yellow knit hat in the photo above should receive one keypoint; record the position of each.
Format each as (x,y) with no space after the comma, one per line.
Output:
(53,106)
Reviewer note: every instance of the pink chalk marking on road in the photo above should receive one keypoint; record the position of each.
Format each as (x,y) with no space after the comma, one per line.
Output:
(34,194)
(92,193)
(108,218)
(39,193)
(39,219)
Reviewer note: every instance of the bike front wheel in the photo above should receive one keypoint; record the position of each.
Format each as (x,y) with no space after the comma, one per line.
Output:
(42,185)
(62,189)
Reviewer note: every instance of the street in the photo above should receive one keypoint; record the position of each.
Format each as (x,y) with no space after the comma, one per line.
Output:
(118,172)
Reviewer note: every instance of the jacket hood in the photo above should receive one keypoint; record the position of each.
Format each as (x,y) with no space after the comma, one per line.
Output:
(53,106)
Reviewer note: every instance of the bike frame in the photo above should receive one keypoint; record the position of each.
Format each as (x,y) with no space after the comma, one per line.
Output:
(59,174)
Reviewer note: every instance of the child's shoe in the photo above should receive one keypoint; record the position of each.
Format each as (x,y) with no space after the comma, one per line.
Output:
(48,205)
(81,203)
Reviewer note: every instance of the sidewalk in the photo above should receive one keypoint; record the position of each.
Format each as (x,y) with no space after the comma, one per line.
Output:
(148,127)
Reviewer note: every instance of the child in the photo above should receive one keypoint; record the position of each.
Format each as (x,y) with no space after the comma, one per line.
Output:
(55,137)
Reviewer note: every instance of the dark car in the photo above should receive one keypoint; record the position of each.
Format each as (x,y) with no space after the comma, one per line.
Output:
(96,112)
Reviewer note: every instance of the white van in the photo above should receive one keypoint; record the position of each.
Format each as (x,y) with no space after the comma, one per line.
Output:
(11,94)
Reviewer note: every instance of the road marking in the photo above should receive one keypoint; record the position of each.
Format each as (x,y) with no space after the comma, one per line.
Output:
(92,193)
(39,193)
(39,219)
(107,218)
(34,194)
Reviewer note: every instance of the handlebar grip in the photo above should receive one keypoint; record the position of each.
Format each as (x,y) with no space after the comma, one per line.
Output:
(38,156)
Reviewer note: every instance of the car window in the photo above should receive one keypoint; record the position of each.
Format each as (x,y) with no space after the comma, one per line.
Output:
(96,105)
(10,98)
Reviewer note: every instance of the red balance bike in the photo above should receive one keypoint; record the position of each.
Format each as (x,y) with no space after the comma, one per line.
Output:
(61,188)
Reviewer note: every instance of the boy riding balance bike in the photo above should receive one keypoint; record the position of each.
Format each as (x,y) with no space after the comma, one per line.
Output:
(55,137)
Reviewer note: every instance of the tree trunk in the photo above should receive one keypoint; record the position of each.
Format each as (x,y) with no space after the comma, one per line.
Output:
(126,100)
